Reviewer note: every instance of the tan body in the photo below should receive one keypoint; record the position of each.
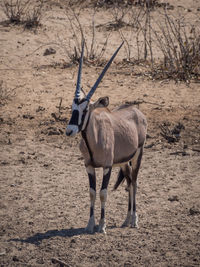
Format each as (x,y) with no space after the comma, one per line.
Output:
(113,137)
(108,139)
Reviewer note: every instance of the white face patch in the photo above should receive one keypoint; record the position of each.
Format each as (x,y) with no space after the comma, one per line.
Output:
(76,119)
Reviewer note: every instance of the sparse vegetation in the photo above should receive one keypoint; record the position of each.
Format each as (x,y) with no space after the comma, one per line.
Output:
(175,39)
(72,45)
(27,13)
(180,47)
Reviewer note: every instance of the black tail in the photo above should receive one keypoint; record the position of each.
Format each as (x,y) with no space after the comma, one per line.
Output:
(120,179)
(122,175)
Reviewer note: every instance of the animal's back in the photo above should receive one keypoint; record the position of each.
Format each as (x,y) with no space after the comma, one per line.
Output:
(129,112)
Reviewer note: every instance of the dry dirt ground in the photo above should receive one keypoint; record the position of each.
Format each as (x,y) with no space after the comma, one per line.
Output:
(44,189)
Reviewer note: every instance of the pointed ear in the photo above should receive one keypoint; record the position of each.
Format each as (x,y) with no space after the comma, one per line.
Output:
(101,102)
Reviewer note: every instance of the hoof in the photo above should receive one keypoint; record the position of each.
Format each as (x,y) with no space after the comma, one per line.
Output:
(89,230)
(134,221)
(90,227)
(126,223)
(102,227)
(135,225)
(131,221)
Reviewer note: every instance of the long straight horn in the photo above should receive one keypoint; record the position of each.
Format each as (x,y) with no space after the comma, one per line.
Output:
(78,85)
(102,74)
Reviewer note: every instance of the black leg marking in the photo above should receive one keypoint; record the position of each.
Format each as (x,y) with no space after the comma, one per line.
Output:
(91,211)
(129,202)
(92,183)
(102,213)
(106,178)
(103,197)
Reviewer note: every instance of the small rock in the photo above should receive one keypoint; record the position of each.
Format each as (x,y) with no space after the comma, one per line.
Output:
(49,51)
(4,162)
(173,198)
(193,211)
(28,116)
(40,109)
(15,258)
(54,131)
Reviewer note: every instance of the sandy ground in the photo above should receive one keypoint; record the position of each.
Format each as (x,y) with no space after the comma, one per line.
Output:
(44,190)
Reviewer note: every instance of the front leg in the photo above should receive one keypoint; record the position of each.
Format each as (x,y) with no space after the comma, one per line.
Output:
(103,198)
(92,183)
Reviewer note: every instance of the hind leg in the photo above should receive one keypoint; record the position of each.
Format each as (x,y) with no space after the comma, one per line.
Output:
(136,162)
(131,176)
(127,172)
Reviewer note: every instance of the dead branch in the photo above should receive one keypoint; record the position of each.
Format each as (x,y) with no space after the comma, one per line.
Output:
(62,263)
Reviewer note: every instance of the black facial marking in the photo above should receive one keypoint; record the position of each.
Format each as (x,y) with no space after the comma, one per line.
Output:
(74,118)
(79,101)
(76,101)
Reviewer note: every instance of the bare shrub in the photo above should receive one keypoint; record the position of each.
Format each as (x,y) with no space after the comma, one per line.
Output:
(24,12)
(179,43)
(101,3)
(139,33)
(119,14)
(175,40)
(14,10)
(34,15)
(77,33)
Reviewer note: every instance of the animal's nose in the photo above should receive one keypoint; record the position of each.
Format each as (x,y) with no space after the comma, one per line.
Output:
(68,132)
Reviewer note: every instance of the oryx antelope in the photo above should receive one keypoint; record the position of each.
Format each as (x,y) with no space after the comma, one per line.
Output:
(109,138)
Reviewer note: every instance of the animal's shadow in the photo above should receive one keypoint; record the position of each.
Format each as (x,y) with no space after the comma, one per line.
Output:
(37,238)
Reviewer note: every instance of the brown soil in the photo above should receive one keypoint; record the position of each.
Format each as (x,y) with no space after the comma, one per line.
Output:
(44,186)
